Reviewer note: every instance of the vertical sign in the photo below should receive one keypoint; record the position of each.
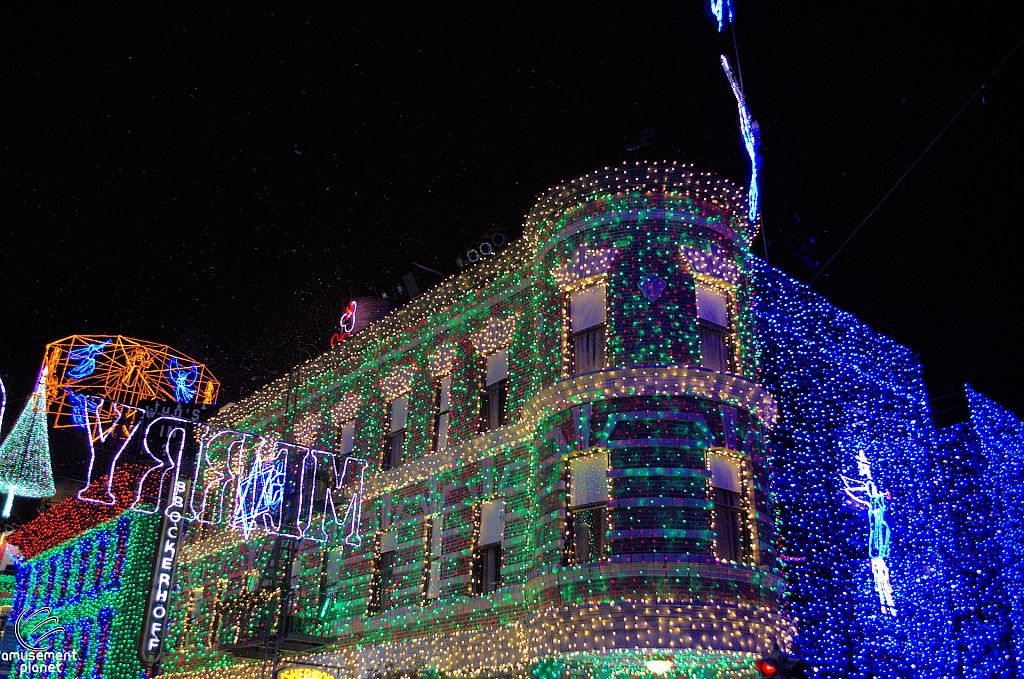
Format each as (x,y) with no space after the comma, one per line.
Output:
(154,629)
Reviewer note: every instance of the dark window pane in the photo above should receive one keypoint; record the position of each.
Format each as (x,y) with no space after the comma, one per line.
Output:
(728,524)
(440,431)
(384,582)
(714,347)
(494,405)
(488,568)
(588,351)
(393,452)
(587,534)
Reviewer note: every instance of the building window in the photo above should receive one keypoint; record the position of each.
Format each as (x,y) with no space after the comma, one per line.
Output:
(432,558)
(588,508)
(383,574)
(332,566)
(442,403)
(713,326)
(726,492)
(487,560)
(344,438)
(586,325)
(495,390)
(192,613)
(398,415)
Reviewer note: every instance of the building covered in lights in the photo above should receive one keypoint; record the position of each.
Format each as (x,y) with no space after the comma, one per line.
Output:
(561,464)
(860,488)
(622,445)
(89,565)
(985,459)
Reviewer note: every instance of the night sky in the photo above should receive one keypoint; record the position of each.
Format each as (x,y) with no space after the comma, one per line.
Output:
(223,181)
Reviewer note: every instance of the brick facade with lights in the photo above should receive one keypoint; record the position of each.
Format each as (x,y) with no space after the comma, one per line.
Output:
(566,448)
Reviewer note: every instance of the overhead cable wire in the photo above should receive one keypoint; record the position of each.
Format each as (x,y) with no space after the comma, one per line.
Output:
(914,164)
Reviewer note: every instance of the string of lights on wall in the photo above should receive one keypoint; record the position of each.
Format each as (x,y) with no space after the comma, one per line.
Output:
(622,228)
(853,401)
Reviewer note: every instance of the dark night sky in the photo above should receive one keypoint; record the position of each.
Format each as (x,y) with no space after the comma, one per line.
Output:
(224,180)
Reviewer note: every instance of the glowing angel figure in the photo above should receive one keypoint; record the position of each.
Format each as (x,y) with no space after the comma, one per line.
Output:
(864,492)
(81,406)
(184,380)
(133,377)
(86,358)
(751,133)
(722,9)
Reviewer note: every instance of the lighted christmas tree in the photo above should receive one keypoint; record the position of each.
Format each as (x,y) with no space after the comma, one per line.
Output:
(25,454)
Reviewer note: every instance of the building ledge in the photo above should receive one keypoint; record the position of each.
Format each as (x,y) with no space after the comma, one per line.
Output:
(734,390)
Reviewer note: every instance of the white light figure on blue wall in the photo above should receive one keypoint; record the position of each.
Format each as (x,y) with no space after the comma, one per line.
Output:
(722,9)
(864,492)
(751,133)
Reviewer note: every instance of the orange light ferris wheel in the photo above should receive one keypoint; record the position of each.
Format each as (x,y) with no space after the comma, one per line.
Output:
(86,371)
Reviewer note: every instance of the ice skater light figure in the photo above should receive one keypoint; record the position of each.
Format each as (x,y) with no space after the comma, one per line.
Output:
(722,9)
(864,492)
(751,133)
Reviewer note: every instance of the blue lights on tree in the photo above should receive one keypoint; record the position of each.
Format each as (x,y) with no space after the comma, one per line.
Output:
(986,539)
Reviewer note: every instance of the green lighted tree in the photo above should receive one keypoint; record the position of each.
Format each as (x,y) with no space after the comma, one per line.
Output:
(25,454)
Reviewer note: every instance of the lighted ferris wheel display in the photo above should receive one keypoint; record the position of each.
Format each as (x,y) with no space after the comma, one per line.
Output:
(93,374)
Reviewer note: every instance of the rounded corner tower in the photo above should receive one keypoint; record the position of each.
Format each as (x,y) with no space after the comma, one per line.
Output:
(654,536)
(555,465)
